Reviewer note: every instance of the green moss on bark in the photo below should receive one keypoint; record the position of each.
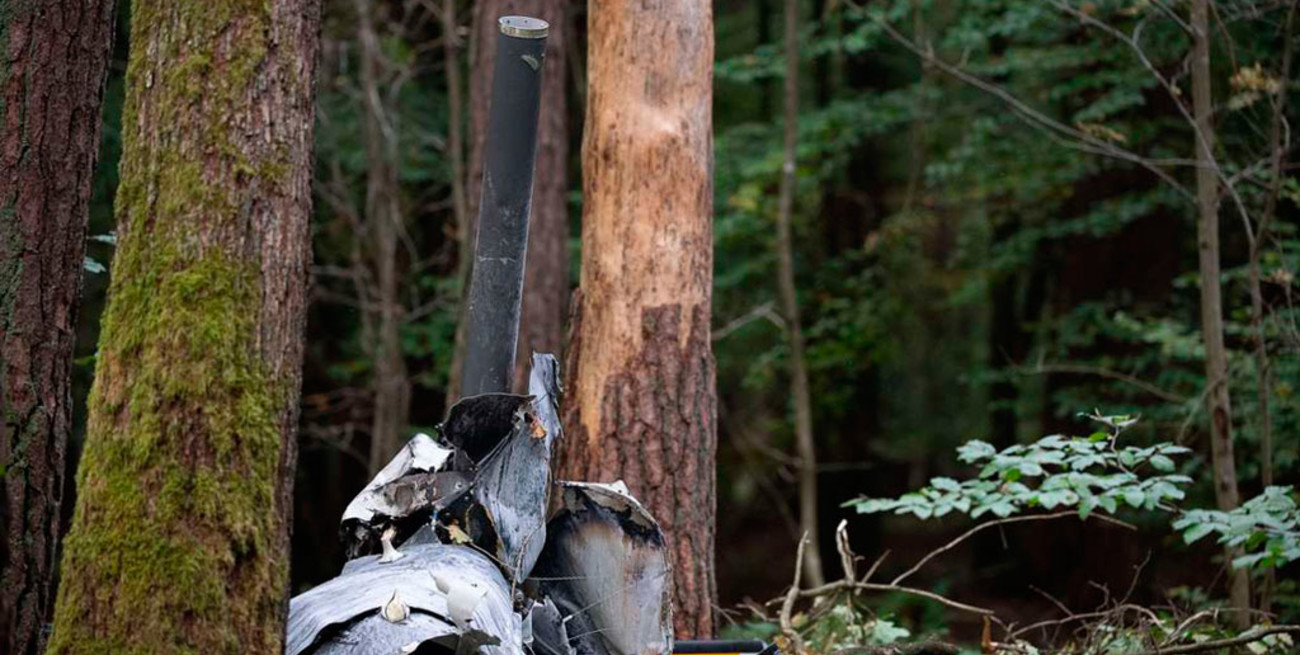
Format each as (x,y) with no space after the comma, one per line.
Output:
(177,482)
(174,545)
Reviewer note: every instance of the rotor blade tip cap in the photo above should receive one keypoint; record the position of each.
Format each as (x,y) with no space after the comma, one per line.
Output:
(524,27)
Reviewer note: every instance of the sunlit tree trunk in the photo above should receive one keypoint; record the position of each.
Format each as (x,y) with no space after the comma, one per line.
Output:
(390,388)
(179,543)
(799,393)
(641,405)
(55,57)
(1217,400)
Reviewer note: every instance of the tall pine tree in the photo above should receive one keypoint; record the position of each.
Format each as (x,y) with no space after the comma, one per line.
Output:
(179,543)
(52,70)
(642,405)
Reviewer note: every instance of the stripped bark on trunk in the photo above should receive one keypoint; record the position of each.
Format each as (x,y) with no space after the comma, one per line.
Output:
(641,405)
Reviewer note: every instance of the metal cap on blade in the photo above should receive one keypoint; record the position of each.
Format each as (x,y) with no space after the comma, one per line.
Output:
(524,27)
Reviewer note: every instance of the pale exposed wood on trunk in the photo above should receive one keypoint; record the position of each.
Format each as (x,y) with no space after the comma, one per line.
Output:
(1218,402)
(641,402)
(390,388)
(799,393)
(55,58)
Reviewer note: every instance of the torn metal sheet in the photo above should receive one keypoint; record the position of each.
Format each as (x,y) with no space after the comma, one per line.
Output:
(420,454)
(544,630)
(513,482)
(345,614)
(606,568)
(421,633)
(472,563)
(497,445)
(479,424)
(413,484)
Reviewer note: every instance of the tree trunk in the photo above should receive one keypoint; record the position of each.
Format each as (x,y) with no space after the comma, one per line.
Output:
(799,393)
(179,542)
(1278,147)
(1277,150)
(1217,400)
(390,388)
(455,118)
(640,367)
(546,276)
(55,60)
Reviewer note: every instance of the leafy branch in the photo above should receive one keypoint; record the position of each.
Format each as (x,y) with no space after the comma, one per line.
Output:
(1266,528)
(1083,473)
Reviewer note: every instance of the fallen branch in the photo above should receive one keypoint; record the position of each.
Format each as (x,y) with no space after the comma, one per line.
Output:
(850,585)
(918,648)
(787,605)
(1239,640)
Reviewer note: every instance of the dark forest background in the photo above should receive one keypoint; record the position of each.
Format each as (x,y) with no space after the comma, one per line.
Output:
(962,272)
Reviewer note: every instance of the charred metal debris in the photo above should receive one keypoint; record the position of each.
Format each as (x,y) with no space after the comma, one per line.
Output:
(464,544)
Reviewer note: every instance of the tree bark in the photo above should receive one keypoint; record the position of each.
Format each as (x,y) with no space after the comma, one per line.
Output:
(455,118)
(1217,399)
(55,62)
(1278,146)
(179,542)
(546,274)
(390,387)
(640,367)
(799,393)
(1277,149)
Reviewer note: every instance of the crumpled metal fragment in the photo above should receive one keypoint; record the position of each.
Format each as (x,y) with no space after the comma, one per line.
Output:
(513,481)
(606,568)
(343,615)
(413,485)
(469,514)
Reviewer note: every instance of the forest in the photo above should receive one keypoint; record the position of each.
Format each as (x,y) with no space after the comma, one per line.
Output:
(543,327)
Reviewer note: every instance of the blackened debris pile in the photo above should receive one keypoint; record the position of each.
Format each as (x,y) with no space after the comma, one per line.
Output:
(464,544)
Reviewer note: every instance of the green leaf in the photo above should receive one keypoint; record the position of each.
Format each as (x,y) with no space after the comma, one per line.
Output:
(945,484)
(1031,468)
(1196,532)
(1134,497)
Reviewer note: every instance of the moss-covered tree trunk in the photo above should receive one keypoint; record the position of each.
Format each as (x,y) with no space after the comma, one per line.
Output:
(179,543)
(642,403)
(53,62)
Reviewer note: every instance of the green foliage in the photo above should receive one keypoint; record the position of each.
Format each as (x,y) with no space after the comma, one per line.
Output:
(1266,528)
(828,628)
(1083,473)
(1095,472)
(844,626)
